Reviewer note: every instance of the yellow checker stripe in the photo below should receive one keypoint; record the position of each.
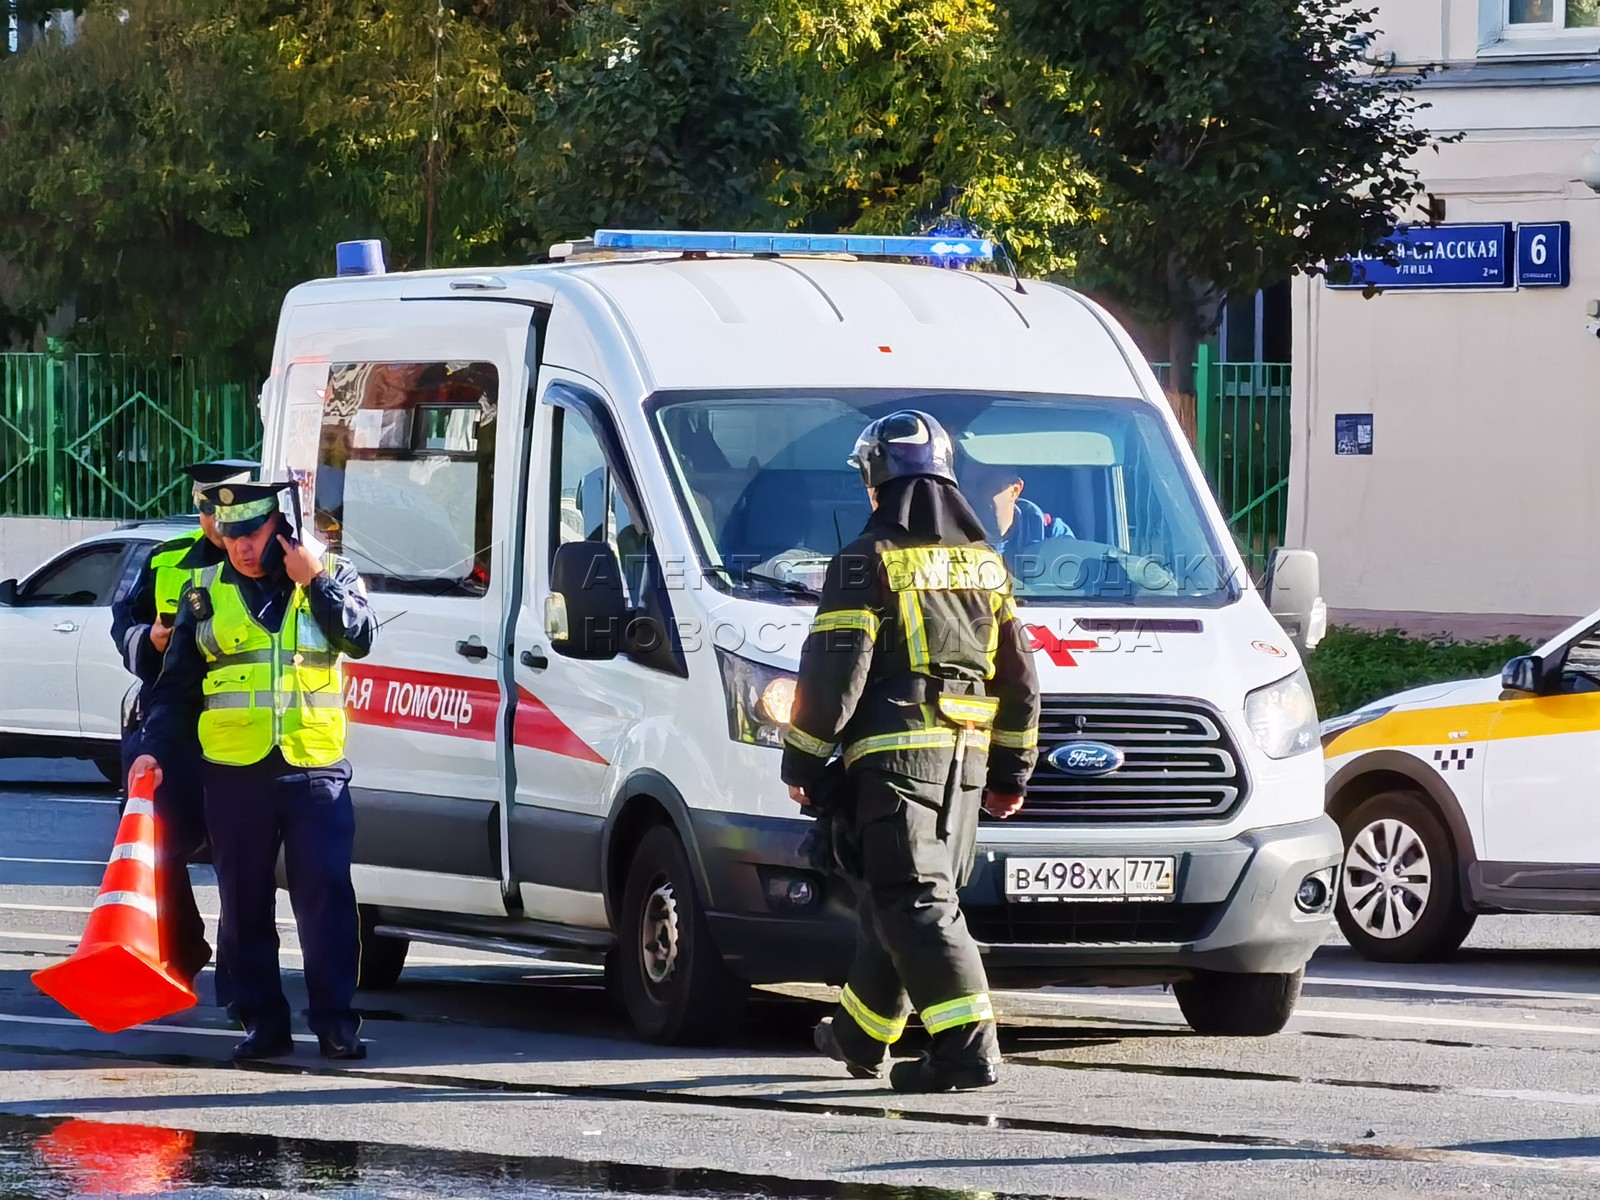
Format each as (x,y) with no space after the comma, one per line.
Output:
(859,619)
(1459,724)
(1017,739)
(946,569)
(799,739)
(952,1014)
(874,1025)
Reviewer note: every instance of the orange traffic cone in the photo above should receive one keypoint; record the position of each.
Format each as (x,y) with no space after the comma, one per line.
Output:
(115,978)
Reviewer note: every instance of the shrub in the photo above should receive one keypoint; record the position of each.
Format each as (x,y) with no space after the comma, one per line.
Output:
(1352,667)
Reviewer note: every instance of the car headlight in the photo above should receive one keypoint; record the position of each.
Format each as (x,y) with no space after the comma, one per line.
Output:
(1283,716)
(760,699)
(1334,726)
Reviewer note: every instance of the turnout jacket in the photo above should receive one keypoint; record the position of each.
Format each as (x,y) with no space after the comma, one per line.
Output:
(912,648)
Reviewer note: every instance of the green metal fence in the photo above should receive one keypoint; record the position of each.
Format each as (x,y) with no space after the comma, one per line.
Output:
(100,435)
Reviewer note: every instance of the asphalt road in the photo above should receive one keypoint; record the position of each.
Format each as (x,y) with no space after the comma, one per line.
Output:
(492,1076)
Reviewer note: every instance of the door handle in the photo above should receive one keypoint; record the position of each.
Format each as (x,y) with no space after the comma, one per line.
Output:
(534,658)
(472,648)
(66,627)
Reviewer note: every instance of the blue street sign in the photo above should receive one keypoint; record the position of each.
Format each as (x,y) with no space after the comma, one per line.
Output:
(1543,257)
(1352,433)
(1438,256)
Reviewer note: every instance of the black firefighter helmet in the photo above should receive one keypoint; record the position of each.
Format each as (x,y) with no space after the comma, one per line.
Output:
(903,444)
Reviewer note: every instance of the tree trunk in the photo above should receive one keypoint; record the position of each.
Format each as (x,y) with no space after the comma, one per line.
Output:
(1182,344)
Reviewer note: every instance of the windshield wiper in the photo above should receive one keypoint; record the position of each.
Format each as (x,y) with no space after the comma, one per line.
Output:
(793,586)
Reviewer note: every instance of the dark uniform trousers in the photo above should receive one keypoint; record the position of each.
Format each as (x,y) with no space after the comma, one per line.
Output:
(913,949)
(253,812)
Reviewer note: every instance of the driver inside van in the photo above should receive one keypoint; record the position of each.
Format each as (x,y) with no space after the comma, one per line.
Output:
(1011,521)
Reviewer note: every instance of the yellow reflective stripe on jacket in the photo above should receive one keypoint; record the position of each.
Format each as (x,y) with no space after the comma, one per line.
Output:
(799,739)
(874,1025)
(1005,609)
(862,619)
(916,633)
(964,1010)
(946,569)
(913,739)
(1016,739)
(969,710)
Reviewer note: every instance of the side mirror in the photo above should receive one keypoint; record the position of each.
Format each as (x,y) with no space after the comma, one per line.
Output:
(8,592)
(1293,589)
(586,615)
(1524,674)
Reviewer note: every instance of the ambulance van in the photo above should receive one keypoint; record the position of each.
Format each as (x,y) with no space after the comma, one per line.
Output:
(592,500)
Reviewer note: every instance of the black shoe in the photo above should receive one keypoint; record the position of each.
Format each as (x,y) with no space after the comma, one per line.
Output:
(264,1043)
(927,1074)
(341,1046)
(827,1042)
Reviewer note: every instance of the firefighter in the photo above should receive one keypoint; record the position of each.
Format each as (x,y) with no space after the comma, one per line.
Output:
(915,680)
(141,627)
(255,665)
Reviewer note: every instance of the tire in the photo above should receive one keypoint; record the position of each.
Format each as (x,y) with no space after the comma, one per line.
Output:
(111,771)
(1220,1004)
(1403,907)
(382,957)
(674,985)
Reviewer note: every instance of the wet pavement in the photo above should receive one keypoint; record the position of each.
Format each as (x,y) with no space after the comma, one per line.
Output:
(495,1076)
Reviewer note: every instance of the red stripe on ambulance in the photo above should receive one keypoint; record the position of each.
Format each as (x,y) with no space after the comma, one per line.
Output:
(455,706)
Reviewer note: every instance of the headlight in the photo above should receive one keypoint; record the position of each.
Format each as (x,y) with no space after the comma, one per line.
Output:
(1283,716)
(1334,726)
(760,699)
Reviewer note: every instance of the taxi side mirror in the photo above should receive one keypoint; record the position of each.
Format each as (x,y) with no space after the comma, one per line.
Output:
(1525,674)
(8,592)
(587,616)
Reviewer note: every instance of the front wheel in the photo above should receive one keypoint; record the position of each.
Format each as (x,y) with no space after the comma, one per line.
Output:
(1221,1004)
(673,982)
(1399,896)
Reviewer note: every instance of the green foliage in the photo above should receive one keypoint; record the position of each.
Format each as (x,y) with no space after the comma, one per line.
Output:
(1233,143)
(1351,667)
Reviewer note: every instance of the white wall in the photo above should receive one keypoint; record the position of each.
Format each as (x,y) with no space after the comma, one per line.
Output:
(25,542)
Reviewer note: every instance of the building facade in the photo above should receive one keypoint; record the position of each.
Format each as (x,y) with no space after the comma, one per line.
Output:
(1446,431)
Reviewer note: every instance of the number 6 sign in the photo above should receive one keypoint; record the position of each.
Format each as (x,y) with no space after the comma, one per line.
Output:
(1542,255)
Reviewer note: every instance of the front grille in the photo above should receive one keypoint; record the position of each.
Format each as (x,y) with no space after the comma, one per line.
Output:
(1079,923)
(1181,763)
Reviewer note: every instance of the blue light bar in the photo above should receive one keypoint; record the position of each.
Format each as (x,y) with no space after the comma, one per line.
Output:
(359,258)
(965,249)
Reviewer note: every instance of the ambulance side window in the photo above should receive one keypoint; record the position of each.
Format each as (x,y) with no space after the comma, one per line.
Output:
(587,505)
(405,473)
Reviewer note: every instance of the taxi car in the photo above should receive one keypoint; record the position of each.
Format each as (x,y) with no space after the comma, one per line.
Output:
(62,682)
(1466,798)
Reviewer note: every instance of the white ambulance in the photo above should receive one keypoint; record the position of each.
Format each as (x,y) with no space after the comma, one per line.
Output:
(591,499)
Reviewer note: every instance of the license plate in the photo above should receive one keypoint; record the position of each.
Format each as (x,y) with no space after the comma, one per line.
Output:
(1089,878)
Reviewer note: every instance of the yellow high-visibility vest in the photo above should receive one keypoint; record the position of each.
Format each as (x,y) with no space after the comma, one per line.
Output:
(171,579)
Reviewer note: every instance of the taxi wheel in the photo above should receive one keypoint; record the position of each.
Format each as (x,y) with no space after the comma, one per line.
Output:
(1222,1004)
(1399,892)
(673,982)
(382,957)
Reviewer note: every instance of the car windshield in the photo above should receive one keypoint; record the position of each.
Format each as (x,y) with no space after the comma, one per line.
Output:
(1085,497)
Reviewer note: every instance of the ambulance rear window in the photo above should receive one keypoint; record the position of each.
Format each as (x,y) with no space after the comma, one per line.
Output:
(405,472)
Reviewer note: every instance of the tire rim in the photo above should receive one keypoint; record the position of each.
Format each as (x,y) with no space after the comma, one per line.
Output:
(658,935)
(1388,877)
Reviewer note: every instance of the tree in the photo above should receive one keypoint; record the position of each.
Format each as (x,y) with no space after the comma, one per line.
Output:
(1233,143)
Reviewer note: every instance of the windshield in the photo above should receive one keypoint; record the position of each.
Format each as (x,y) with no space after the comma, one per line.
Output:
(1084,497)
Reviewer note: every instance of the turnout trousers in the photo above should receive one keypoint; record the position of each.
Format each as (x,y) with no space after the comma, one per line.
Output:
(252,813)
(913,949)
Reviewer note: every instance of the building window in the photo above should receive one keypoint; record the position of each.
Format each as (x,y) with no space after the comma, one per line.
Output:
(1549,16)
(405,474)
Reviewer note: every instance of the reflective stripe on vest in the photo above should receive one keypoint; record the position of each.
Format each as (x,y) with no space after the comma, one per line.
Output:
(265,690)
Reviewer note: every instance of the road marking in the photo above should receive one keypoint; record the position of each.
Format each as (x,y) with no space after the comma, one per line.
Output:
(38,937)
(1462,989)
(1323,1013)
(418,961)
(59,862)
(16,1019)
(75,800)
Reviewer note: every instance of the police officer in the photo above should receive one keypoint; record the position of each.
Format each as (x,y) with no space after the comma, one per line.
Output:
(254,664)
(141,627)
(916,674)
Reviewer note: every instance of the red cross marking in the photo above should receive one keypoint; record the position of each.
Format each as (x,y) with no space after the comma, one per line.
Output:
(1058,650)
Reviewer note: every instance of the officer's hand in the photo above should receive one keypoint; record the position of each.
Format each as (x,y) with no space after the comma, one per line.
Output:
(1001,805)
(160,635)
(300,562)
(798,795)
(142,766)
